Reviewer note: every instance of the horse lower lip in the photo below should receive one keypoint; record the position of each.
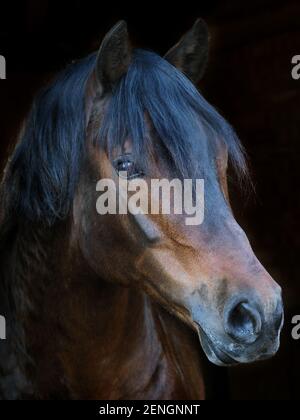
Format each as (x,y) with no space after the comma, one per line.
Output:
(220,354)
(223,357)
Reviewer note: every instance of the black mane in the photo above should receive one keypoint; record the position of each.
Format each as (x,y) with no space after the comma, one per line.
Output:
(41,178)
(44,169)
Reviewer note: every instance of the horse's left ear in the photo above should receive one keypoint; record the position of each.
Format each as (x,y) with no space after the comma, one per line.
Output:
(114,56)
(190,54)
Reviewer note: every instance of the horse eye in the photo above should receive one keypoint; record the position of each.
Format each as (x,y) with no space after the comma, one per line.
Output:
(126,164)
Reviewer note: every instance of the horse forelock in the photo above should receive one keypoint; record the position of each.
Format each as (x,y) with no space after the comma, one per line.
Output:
(43,173)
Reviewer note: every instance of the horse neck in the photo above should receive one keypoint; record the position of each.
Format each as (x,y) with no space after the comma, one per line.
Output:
(105,340)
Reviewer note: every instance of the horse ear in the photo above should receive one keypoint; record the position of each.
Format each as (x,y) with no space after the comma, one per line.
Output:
(114,56)
(190,54)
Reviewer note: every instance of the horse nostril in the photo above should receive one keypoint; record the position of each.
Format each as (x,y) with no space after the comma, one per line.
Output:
(243,323)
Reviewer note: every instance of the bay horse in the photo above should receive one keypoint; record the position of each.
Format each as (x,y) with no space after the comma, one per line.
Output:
(114,306)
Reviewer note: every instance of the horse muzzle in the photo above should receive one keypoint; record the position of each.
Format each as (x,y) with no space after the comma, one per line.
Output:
(246,334)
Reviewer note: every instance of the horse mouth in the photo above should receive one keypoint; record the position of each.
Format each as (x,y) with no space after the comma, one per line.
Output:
(213,352)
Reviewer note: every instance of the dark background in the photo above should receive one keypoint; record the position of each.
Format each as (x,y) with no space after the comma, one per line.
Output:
(248,79)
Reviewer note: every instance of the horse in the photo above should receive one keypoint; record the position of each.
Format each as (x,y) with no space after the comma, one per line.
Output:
(118,306)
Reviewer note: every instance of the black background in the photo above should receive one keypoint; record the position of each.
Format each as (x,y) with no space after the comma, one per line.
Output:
(248,79)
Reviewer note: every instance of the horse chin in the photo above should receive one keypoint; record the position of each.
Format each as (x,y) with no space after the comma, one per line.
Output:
(213,352)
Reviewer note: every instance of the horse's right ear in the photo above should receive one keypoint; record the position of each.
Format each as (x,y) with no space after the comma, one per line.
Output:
(114,56)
